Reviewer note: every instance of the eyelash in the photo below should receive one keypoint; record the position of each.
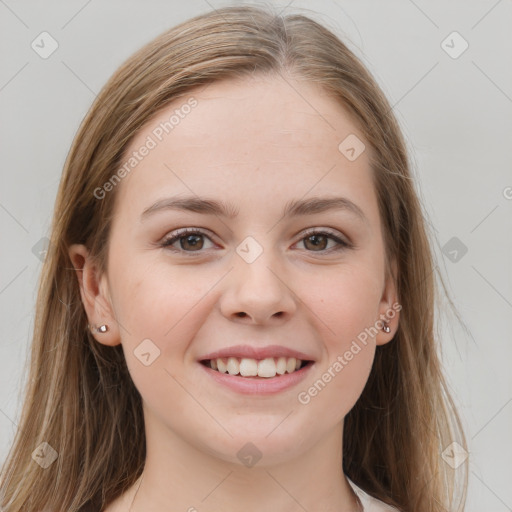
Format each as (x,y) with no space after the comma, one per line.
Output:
(182,233)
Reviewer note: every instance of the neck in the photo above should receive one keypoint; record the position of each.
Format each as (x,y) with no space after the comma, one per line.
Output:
(178,476)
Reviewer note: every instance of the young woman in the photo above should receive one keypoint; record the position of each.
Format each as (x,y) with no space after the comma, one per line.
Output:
(236,308)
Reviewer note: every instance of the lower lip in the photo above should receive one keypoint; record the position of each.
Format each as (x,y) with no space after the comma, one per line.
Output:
(258,385)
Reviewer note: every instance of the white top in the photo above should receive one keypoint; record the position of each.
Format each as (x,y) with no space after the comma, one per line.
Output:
(370,504)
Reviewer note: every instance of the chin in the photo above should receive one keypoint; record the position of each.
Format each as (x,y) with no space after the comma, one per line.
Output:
(262,443)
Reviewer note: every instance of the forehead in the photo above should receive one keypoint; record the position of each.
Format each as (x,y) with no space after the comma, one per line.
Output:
(253,111)
(246,141)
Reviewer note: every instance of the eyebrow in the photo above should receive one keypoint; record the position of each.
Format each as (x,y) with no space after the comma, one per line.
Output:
(220,208)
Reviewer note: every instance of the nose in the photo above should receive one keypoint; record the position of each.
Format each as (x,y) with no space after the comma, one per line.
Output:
(257,292)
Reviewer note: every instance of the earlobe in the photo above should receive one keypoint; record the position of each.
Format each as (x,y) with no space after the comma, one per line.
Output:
(102,323)
(389,308)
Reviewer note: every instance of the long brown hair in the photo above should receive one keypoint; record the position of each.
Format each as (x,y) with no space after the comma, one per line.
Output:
(80,399)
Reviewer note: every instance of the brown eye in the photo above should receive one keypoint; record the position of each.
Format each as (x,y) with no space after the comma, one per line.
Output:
(190,240)
(316,242)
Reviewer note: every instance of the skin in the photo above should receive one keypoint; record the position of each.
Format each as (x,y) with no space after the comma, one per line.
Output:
(257,144)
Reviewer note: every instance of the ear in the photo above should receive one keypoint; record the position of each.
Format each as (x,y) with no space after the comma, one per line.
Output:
(95,295)
(389,307)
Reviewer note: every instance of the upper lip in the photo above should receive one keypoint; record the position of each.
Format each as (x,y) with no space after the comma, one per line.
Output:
(250,352)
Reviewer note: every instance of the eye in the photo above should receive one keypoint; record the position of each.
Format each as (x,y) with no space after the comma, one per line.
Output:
(190,240)
(193,240)
(318,240)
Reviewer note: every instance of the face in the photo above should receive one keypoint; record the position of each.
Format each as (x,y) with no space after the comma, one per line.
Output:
(284,262)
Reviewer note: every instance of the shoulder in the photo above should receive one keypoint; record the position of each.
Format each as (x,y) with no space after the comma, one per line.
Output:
(371,504)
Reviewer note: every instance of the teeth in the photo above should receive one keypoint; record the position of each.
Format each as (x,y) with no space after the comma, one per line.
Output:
(233,366)
(222,367)
(281,365)
(267,368)
(246,367)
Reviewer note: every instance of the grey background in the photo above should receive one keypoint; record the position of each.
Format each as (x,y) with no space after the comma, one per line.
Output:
(456,114)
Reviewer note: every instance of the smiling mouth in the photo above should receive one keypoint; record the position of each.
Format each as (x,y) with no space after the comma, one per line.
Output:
(265,368)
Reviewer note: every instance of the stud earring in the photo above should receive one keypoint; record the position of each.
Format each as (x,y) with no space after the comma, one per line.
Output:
(101,329)
(386,328)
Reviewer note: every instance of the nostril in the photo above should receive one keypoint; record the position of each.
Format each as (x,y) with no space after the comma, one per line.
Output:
(241,314)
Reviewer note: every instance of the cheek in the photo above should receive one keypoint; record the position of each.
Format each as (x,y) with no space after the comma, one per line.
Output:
(346,309)
(159,311)
(152,299)
(345,301)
